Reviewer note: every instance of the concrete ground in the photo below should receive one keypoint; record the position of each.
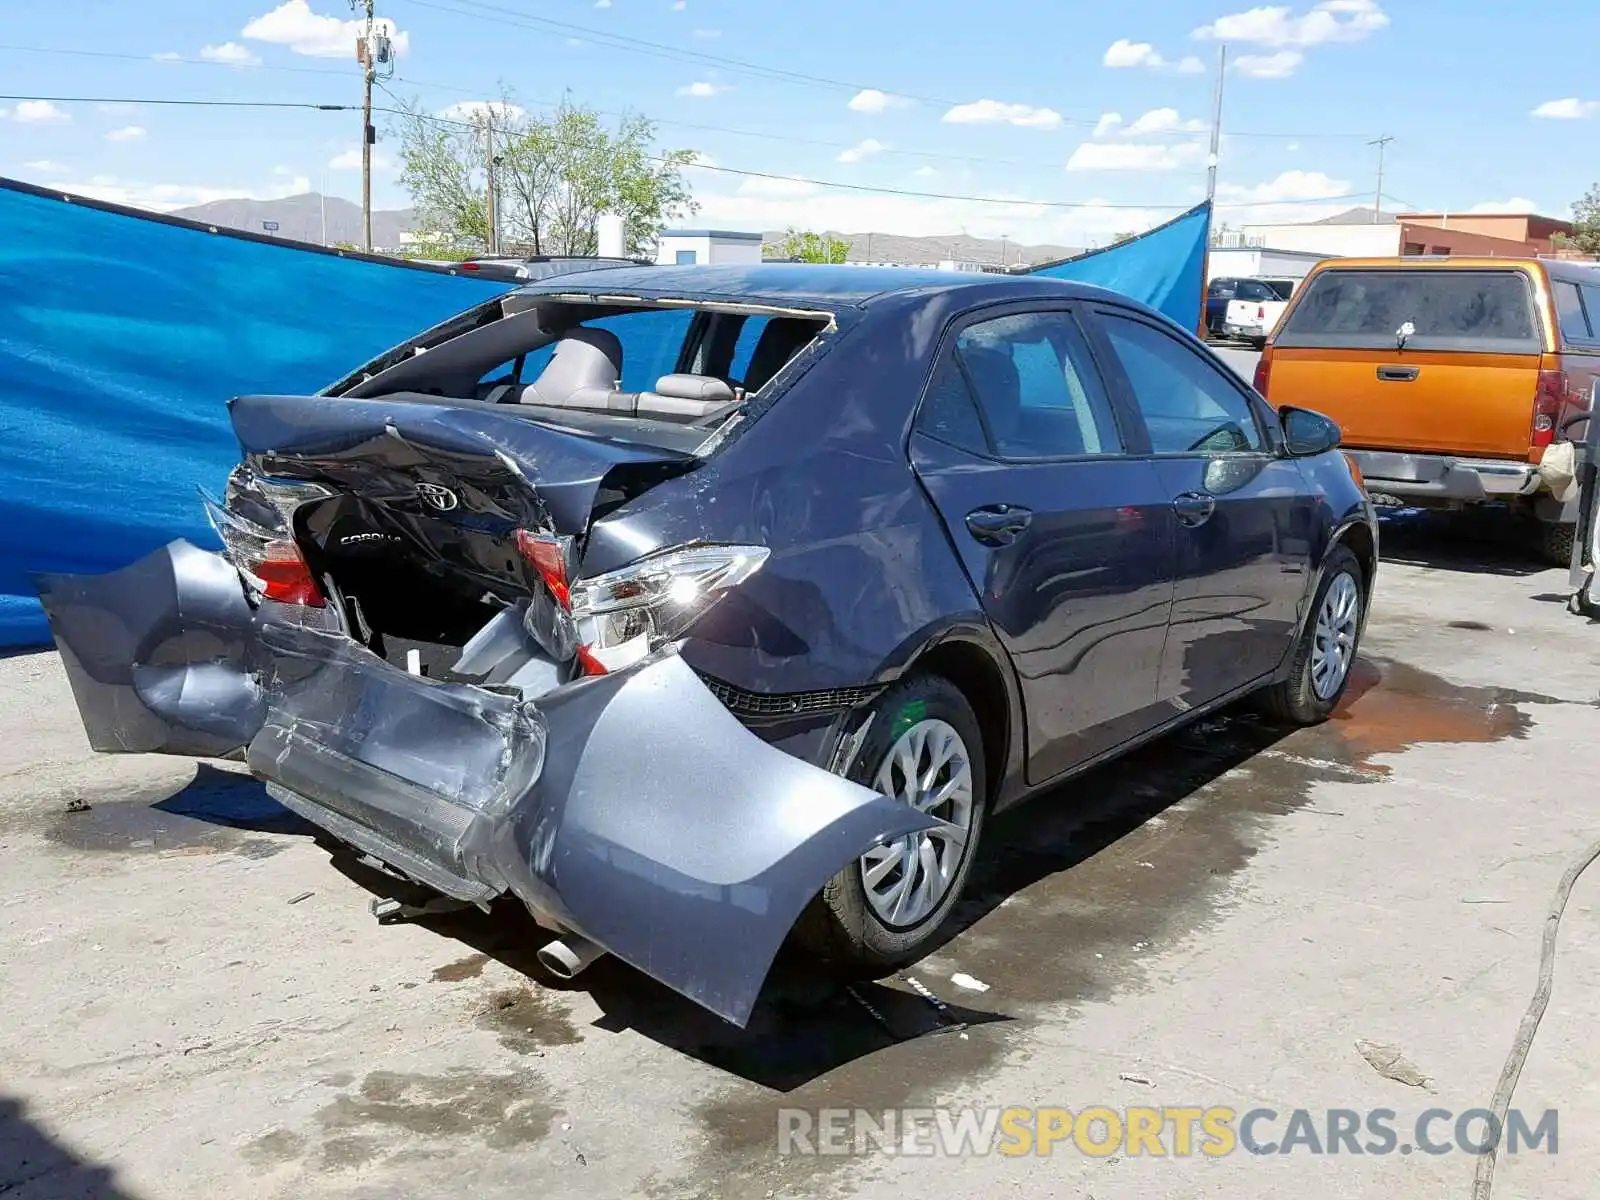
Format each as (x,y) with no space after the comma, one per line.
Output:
(195,1001)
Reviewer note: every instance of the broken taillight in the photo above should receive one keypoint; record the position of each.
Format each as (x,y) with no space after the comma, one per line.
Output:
(1548,400)
(547,554)
(1263,376)
(285,577)
(267,558)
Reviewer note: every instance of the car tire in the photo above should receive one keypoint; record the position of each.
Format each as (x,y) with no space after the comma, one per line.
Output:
(1300,698)
(845,926)
(1556,540)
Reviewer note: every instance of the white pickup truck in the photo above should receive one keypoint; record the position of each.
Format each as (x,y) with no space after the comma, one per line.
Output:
(1254,311)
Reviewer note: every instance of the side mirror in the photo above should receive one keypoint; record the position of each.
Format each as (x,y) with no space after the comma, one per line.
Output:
(1306,433)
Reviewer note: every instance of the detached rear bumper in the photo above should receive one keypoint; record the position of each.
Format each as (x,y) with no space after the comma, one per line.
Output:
(1445,478)
(631,809)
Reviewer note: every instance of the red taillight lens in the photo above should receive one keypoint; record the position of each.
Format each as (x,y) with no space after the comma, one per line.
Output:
(285,577)
(548,556)
(469,266)
(1547,404)
(1261,313)
(1263,374)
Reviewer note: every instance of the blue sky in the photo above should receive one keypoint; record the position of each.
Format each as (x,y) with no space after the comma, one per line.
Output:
(1007,99)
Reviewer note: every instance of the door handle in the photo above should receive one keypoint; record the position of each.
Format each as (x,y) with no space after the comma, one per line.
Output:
(1398,374)
(1193,508)
(998,524)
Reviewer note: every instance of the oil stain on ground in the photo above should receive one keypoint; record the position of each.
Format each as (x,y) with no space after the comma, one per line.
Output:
(528,1020)
(469,967)
(393,1113)
(216,812)
(1070,895)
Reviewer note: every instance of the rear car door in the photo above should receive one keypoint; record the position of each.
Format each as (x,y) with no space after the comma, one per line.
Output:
(1464,380)
(1065,534)
(1244,515)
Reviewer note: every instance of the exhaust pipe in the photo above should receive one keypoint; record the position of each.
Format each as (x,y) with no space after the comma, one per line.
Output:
(567,957)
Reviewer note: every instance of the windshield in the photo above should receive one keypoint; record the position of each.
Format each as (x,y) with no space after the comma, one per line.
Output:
(1422,309)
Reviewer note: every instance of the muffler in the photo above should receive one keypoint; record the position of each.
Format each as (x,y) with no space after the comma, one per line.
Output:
(567,957)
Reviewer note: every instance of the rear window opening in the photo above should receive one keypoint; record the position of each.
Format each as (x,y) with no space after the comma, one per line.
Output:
(598,363)
(1486,311)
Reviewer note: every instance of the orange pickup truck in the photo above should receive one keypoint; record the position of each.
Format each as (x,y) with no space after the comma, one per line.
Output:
(1448,376)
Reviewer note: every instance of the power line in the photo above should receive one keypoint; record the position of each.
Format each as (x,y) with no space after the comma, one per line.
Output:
(164,60)
(189,103)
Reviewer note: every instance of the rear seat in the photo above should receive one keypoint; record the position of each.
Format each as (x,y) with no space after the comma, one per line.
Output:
(586,370)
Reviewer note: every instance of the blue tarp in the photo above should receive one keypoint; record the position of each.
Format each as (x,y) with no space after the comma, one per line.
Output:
(1165,268)
(121,339)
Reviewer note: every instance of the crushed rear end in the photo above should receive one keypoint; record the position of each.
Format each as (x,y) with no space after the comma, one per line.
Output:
(398,641)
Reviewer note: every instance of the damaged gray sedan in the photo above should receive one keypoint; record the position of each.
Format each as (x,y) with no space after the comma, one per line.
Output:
(698,607)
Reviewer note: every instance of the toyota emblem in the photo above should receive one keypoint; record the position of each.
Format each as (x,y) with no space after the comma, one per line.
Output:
(436,496)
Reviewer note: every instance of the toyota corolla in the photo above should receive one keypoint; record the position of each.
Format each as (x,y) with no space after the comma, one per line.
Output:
(698,608)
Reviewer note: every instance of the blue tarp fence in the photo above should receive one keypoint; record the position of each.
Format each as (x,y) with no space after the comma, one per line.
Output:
(122,336)
(1166,268)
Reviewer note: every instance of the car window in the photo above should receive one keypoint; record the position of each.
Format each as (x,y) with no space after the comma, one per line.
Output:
(1036,384)
(1485,311)
(1591,302)
(1188,405)
(948,411)
(1254,289)
(1221,287)
(1281,288)
(1569,311)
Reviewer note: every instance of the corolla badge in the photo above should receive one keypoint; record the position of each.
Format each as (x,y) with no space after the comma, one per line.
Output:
(437,496)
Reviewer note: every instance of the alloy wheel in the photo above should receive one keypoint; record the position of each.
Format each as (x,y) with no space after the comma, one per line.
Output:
(928,768)
(1333,644)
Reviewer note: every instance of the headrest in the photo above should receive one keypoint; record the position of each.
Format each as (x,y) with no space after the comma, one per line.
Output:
(695,387)
(583,359)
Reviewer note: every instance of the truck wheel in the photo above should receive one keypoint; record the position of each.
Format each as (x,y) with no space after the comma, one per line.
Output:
(1327,647)
(892,905)
(1556,541)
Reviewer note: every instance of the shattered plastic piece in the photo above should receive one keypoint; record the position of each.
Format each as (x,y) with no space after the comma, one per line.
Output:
(1387,1061)
(1129,1077)
(962,980)
(78,804)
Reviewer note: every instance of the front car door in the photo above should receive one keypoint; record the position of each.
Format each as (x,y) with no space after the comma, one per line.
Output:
(1066,536)
(1246,517)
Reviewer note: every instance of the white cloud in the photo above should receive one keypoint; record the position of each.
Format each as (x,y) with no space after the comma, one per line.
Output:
(231,53)
(1570,109)
(703,88)
(164,197)
(602,3)
(1268,66)
(995,112)
(1124,156)
(1292,147)
(282,170)
(167,56)
(871,100)
(481,110)
(679,5)
(350,160)
(1276,25)
(1123,54)
(1190,65)
(862,150)
(707,35)
(926,172)
(294,25)
(44,166)
(1108,124)
(39,112)
(1517,204)
(128,133)
(776,188)
(1290,185)
(1161,120)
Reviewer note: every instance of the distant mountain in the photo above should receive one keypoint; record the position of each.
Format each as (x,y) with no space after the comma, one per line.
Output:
(895,248)
(300,218)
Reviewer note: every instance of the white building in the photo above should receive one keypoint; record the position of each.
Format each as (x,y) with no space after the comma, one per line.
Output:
(1260,262)
(682,247)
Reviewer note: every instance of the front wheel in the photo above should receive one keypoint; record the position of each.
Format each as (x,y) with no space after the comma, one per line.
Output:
(1326,649)
(893,905)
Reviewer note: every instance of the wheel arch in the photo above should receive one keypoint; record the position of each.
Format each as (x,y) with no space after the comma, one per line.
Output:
(979,670)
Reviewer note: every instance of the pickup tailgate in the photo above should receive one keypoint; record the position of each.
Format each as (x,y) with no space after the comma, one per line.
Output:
(1478,405)
(1426,358)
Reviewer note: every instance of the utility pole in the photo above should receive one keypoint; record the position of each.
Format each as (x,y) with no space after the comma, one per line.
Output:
(1377,199)
(373,49)
(1216,124)
(489,163)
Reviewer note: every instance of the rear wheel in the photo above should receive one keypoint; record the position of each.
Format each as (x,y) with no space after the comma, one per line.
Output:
(892,905)
(1327,646)
(1556,540)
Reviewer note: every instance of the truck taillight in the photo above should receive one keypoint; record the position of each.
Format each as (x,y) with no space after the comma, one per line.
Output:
(1547,404)
(1261,312)
(1263,374)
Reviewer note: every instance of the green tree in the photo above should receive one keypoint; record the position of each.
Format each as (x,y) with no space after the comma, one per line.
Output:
(1585,234)
(810,247)
(555,176)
